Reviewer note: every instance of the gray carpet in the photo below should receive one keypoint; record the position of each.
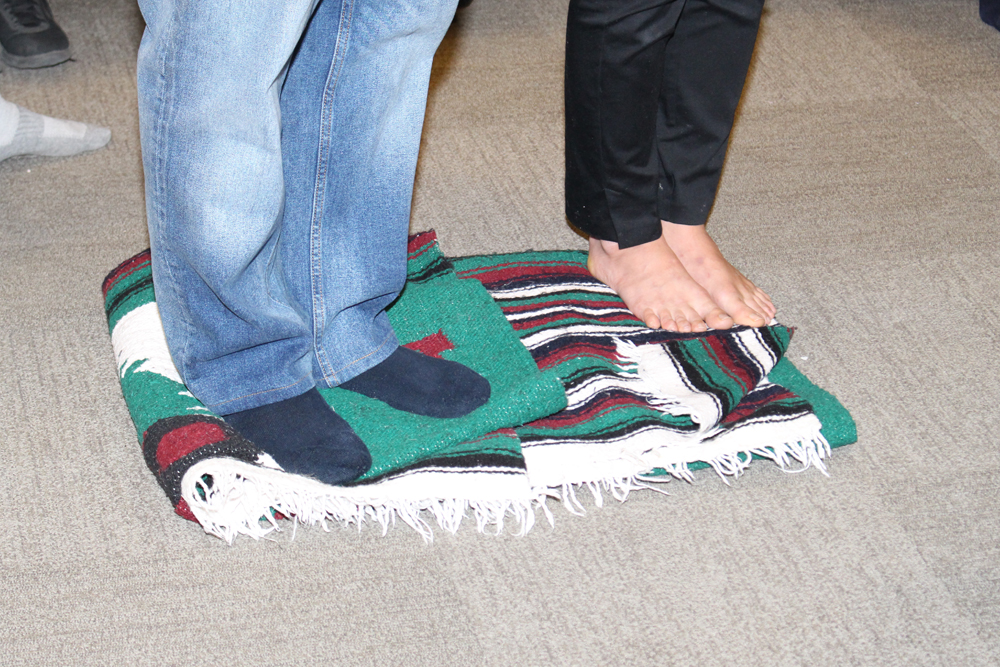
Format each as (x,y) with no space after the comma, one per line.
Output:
(861,191)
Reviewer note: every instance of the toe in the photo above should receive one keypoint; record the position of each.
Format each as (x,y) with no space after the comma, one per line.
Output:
(748,317)
(667,322)
(761,302)
(719,319)
(694,321)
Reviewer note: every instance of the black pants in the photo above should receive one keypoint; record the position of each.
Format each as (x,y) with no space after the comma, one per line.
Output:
(651,91)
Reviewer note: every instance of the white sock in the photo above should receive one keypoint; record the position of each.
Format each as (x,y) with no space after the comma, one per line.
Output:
(24,132)
(8,121)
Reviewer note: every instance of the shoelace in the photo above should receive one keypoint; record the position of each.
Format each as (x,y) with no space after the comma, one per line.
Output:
(29,13)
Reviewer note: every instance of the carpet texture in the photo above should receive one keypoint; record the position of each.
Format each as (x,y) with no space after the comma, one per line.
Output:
(861,192)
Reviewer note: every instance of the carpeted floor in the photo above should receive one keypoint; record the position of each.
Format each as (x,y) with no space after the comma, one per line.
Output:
(861,191)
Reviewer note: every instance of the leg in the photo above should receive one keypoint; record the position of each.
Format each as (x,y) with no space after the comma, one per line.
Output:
(705,67)
(614,69)
(209,77)
(614,183)
(353,110)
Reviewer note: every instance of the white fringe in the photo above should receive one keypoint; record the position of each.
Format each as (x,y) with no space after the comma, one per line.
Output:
(807,453)
(729,453)
(243,499)
(230,498)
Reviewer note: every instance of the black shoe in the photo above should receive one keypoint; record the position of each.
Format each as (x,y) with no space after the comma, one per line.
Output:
(29,36)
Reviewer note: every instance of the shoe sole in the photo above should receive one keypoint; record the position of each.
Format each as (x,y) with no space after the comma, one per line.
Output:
(34,62)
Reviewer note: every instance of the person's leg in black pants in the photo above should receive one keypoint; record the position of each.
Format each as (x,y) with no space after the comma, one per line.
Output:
(651,90)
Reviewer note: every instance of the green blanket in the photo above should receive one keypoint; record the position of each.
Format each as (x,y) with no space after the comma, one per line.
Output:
(214,476)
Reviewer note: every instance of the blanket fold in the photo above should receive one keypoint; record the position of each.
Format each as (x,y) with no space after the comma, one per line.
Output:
(420,464)
(583,396)
(643,404)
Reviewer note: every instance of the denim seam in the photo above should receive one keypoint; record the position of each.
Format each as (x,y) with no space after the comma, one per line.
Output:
(319,193)
(365,356)
(162,136)
(258,393)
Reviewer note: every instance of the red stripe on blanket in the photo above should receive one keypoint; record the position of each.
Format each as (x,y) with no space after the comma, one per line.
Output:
(570,418)
(561,354)
(747,407)
(504,272)
(184,511)
(184,440)
(125,269)
(729,363)
(543,320)
(418,244)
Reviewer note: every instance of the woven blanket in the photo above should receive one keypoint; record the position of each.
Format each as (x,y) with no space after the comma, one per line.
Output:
(642,406)
(646,405)
(421,466)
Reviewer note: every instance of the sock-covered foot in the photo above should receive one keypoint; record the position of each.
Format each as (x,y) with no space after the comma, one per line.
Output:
(413,382)
(654,285)
(24,132)
(746,303)
(306,437)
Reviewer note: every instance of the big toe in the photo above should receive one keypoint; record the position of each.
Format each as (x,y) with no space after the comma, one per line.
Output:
(747,316)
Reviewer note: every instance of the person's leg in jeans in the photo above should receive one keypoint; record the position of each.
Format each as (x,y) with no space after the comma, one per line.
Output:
(209,77)
(651,90)
(238,318)
(353,109)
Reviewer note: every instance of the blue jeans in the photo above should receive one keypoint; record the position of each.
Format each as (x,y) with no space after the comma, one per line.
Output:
(279,142)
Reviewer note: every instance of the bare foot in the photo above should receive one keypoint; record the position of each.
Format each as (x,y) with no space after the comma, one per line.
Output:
(654,285)
(736,295)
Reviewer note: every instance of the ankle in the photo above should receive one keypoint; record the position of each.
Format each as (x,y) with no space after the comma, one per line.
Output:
(600,247)
(687,239)
(677,230)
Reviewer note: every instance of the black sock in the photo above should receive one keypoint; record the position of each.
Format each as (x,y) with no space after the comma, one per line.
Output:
(423,385)
(306,437)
